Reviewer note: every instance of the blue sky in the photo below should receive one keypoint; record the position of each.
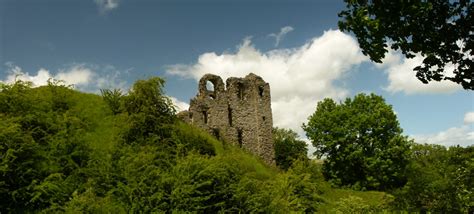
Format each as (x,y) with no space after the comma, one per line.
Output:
(111,43)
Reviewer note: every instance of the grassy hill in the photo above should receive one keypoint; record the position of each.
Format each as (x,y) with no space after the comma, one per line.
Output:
(67,151)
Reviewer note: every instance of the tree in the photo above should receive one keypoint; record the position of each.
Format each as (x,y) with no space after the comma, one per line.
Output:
(439,180)
(113,99)
(362,142)
(151,112)
(287,147)
(439,30)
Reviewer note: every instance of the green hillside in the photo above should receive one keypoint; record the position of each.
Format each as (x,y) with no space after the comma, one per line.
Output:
(67,151)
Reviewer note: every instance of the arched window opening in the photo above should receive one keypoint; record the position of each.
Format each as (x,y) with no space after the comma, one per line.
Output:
(209,86)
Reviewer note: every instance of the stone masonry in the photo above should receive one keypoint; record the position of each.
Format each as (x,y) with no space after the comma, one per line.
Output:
(238,112)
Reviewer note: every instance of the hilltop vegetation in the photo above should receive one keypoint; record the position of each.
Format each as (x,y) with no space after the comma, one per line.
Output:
(364,148)
(66,151)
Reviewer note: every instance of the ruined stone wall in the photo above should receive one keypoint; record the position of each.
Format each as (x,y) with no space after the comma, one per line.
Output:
(238,112)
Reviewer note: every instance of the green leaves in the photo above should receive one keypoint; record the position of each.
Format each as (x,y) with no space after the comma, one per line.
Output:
(147,96)
(439,30)
(361,141)
(41,147)
(150,112)
(15,98)
(288,148)
(439,180)
(113,99)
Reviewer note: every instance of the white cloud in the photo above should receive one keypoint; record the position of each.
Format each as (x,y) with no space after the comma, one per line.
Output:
(75,75)
(402,78)
(81,76)
(107,5)
(298,77)
(463,136)
(469,117)
(15,73)
(110,78)
(180,105)
(279,36)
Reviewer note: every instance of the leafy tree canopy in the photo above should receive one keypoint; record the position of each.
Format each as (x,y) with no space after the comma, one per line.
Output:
(440,180)
(288,148)
(439,30)
(361,140)
(150,111)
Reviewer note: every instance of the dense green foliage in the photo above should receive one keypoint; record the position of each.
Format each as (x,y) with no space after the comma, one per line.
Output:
(113,99)
(66,151)
(288,148)
(363,147)
(440,30)
(440,180)
(43,151)
(361,141)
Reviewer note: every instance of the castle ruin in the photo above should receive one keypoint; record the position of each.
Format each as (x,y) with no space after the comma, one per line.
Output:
(238,112)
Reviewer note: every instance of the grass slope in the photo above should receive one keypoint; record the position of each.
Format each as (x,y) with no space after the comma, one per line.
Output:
(102,139)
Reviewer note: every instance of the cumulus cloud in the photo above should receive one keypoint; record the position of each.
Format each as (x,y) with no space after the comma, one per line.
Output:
(462,136)
(279,36)
(84,77)
(469,117)
(402,77)
(75,75)
(298,77)
(180,105)
(107,5)
(16,73)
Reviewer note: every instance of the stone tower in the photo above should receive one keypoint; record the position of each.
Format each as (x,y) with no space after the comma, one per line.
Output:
(238,112)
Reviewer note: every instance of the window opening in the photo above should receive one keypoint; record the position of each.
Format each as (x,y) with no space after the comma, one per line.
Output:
(239,137)
(261,91)
(209,86)
(210,90)
(205,115)
(229,112)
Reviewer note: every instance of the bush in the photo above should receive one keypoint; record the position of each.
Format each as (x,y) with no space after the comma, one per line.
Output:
(288,148)
(439,180)
(42,148)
